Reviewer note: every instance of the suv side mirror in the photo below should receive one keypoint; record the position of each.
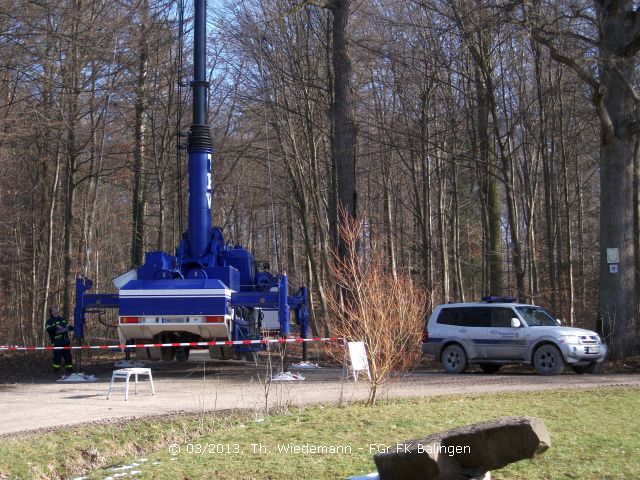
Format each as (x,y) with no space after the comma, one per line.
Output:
(515,323)
(559,320)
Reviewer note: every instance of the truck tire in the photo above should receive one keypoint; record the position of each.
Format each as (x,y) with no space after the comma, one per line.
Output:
(142,354)
(454,359)
(167,353)
(182,354)
(251,357)
(548,360)
(146,353)
(220,353)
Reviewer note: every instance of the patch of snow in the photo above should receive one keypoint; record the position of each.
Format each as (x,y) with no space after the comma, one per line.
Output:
(287,377)
(305,366)
(77,378)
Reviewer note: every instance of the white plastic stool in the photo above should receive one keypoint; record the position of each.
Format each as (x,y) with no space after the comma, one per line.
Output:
(125,374)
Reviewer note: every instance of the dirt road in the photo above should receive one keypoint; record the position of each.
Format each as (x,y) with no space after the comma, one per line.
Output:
(204,385)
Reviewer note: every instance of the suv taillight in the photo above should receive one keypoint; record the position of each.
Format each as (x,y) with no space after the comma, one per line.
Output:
(425,337)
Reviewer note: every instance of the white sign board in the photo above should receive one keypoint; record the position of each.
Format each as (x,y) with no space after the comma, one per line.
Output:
(359,360)
(613,255)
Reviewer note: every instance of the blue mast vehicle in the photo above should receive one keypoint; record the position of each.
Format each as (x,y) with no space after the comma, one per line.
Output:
(208,290)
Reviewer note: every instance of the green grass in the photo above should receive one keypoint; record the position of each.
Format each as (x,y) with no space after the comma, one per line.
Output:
(595,435)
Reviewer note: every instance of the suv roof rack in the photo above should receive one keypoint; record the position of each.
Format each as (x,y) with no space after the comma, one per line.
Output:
(498,299)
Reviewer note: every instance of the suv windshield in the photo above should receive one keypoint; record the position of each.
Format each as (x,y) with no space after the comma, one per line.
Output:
(537,317)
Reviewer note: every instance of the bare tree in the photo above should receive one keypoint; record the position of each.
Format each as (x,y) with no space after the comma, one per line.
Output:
(139,202)
(615,31)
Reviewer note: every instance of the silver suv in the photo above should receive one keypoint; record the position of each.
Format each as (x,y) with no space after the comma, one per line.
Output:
(498,332)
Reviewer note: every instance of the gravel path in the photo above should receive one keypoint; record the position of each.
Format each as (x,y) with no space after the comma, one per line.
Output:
(234,385)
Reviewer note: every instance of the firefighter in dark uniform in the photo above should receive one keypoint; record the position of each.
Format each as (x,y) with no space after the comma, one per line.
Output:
(58,330)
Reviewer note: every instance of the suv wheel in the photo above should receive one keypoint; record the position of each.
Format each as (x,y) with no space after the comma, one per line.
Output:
(490,367)
(454,359)
(592,367)
(548,360)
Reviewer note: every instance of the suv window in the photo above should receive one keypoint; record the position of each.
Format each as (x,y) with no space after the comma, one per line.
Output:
(448,316)
(536,316)
(466,316)
(501,317)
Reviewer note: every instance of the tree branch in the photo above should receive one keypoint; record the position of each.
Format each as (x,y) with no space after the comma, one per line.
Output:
(329,4)
(599,91)
(608,130)
(569,62)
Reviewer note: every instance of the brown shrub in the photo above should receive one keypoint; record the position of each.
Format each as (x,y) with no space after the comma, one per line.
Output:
(370,303)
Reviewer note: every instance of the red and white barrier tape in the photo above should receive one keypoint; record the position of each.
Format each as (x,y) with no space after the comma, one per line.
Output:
(224,343)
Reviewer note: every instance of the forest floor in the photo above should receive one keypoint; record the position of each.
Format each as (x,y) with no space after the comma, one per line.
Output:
(32,399)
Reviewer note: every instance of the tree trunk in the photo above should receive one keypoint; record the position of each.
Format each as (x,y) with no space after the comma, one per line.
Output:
(421,175)
(388,218)
(618,302)
(139,200)
(548,177)
(344,128)
(291,257)
(33,324)
(455,235)
(50,222)
(567,207)
(442,226)
(636,220)
(72,81)
(489,179)
(617,289)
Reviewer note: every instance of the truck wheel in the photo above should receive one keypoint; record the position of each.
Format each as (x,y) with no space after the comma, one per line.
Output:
(592,367)
(142,354)
(490,367)
(454,359)
(182,354)
(220,353)
(548,360)
(251,357)
(168,353)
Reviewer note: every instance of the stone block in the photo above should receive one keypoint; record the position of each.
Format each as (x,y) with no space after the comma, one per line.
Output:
(469,452)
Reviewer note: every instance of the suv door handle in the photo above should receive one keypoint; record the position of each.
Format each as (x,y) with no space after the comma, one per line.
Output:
(462,330)
(494,332)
